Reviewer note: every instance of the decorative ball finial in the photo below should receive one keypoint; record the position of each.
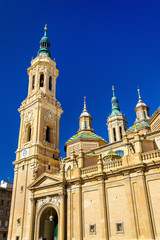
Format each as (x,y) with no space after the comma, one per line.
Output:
(139,93)
(45,30)
(113,90)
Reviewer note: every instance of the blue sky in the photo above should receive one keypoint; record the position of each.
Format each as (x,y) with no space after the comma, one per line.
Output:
(96,44)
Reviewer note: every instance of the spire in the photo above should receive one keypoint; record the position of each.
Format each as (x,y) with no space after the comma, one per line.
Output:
(114,101)
(44,45)
(140,101)
(85,112)
(142,110)
(85,120)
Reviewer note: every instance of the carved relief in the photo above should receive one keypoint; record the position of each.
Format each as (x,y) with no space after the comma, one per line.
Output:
(29,116)
(55,200)
(49,115)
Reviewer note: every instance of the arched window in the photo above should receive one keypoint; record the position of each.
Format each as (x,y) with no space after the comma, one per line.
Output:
(140,115)
(33,82)
(120,153)
(41,80)
(50,83)
(114,134)
(86,124)
(48,132)
(120,132)
(29,133)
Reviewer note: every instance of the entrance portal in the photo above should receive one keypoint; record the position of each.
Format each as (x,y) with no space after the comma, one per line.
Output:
(49,224)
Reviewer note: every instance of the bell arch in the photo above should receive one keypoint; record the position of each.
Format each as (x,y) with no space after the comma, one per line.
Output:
(45,225)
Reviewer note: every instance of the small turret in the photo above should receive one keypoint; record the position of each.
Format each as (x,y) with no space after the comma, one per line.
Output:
(141,109)
(85,120)
(44,45)
(116,122)
(115,107)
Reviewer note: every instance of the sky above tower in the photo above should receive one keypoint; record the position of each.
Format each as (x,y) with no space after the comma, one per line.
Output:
(96,44)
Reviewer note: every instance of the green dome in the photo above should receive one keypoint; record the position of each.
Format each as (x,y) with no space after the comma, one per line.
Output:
(88,135)
(44,45)
(114,99)
(115,107)
(44,39)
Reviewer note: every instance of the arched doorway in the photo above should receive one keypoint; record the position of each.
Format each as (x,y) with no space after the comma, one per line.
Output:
(48,226)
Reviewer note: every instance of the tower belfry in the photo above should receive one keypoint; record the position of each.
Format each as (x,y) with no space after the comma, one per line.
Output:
(142,110)
(116,122)
(38,145)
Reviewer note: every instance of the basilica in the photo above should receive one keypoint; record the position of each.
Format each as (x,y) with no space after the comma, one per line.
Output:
(100,190)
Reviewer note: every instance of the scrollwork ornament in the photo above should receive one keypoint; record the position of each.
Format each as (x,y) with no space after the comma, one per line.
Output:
(49,115)
(29,116)
(55,200)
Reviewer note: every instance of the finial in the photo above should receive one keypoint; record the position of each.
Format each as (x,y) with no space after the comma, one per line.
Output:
(85,108)
(113,90)
(139,93)
(45,30)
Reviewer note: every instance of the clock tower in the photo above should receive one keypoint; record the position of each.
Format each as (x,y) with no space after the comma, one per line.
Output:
(38,145)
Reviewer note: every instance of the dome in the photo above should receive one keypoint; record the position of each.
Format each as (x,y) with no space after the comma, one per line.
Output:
(114,99)
(44,45)
(88,135)
(85,114)
(44,39)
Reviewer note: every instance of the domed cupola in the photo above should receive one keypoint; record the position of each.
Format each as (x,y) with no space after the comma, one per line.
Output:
(85,120)
(116,122)
(142,110)
(115,107)
(44,45)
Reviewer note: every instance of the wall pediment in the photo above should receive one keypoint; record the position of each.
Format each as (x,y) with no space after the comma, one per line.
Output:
(45,180)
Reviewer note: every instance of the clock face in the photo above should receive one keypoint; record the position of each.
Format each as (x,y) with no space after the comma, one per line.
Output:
(25,153)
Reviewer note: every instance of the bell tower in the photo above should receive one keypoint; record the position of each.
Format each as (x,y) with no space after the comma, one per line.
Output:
(116,122)
(38,145)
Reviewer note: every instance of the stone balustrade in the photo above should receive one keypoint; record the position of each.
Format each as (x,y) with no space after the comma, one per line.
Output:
(113,164)
(89,169)
(150,155)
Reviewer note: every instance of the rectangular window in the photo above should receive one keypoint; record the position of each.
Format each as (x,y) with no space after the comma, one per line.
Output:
(8,203)
(1,212)
(2,202)
(4,235)
(0,223)
(119,227)
(23,168)
(86,124)
(140,115)
(6,223)
(114,134)
(144,114)
(21,188)
(7,213)
(92,229)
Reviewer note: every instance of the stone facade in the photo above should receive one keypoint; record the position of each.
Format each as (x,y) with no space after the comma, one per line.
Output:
(100,191)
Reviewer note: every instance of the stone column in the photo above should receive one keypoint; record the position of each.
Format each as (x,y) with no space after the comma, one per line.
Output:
(143,215)
(62,217)
(80,237)
(32,217)
(68,213)
(117,133)
(103,209)
(129,196)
